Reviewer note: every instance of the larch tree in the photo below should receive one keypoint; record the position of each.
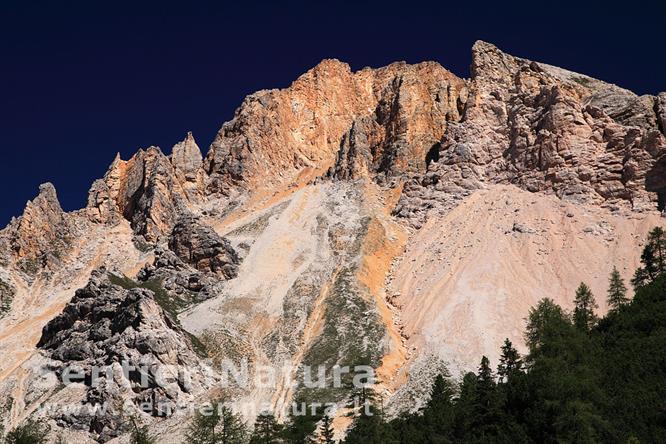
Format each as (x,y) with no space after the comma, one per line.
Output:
(584,305)
(617,291)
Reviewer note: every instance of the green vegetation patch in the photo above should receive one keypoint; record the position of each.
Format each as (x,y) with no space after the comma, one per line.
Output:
(352,336)
(7,294)
(172,306)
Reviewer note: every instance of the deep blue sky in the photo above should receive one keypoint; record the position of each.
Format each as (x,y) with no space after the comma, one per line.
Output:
(82,81)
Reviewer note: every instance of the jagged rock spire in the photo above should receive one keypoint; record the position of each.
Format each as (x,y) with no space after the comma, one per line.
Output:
(43,232)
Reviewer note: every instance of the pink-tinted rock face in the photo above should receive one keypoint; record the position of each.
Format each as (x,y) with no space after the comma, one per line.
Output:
(546,129)
(275,133)
(150,190)
(42,234)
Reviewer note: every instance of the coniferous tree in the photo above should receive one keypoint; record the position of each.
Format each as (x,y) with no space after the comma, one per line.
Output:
(140,435)
(487,405)
(266,430)
(202,428)
(465,406)
(219,425)
(512,381)
(584,305)
(544,321)
(232,428)
(326,432)
(368,427)
(510,362)
(653,259)
(302,424)
(439,412)
(617,291)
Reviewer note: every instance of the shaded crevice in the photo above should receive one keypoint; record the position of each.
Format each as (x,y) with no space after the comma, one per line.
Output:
(655,107)
(433,154)
(655,182)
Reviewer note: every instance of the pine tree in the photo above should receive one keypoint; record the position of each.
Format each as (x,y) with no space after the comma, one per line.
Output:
(266,429)
(202,428)
(326,432)
(232,429)
(219,426)
(510,362)
(140,435)
(302,423)
(617,291)
(439,413)
(584,305)
(485,388)
(653,259)
(544,320)
(512,382)
(486,412)
(368,427)
(465,406)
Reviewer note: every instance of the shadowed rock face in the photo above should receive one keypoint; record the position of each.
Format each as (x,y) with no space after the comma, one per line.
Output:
(106,325)
(199,246)
(150,190)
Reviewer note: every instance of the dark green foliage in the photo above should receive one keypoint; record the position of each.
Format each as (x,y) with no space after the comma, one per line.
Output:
(216,425)
(633,364)
(302,424)
(369,427)
(584,305)
(653,259)
(439,414)
(617,291)
(140,435)
(30,432)
(545,322)
(510,362)
(266,430)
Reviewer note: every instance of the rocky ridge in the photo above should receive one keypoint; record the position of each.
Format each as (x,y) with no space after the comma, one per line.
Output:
(141,355)
(276,244)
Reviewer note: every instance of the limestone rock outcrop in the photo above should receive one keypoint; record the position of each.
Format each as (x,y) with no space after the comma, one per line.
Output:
(185,284)
(43,234)
(198,245)
(278,132)
(114,328)
(150,190)
(546,129)
(187,163)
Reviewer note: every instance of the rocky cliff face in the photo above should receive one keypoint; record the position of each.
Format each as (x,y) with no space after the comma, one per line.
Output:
(150,190)
(276,133)
(400,216)
(546,129)
(41,236)
(126,348)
